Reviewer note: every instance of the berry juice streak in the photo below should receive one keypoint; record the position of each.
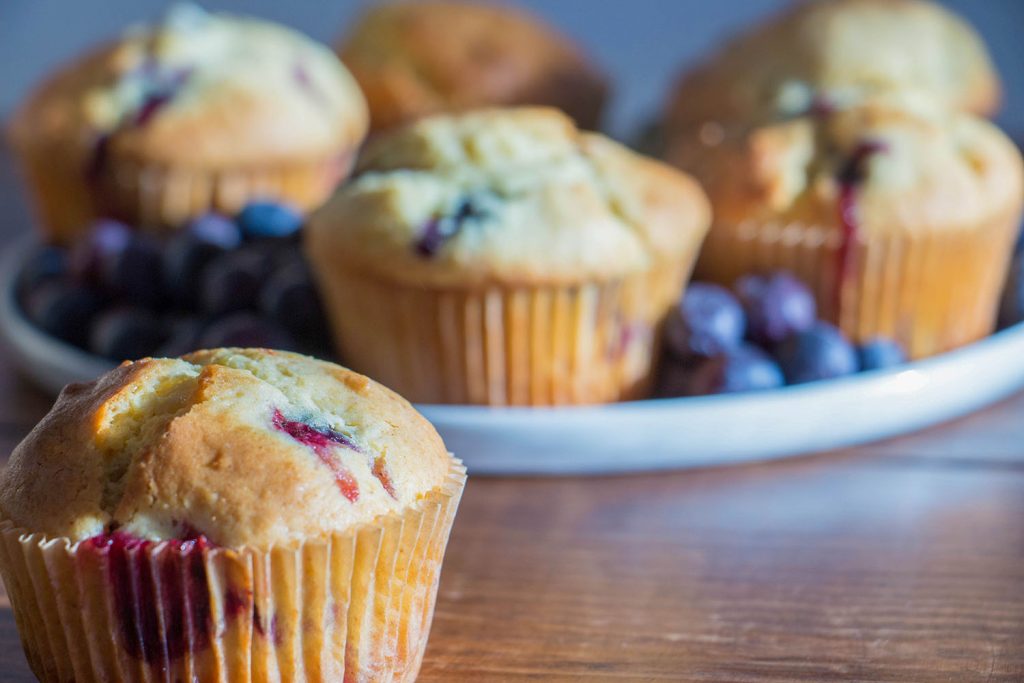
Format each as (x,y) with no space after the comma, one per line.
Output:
(321,440)
(850,178)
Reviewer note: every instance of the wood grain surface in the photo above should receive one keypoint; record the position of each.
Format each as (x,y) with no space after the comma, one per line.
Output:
(902,561)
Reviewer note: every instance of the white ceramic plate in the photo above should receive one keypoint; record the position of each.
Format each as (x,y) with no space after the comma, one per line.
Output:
(653,434)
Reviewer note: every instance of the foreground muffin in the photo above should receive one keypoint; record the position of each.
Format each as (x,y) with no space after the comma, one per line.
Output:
(819,54)
(418,58)
(900,214)
(235,515)
(200,112)
(504,257)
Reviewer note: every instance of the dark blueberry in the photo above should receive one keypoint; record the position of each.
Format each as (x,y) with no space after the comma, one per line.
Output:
(745,368)
(290,298)
(231,282)
(246,330)
(264,219)
(104,241)
(708,321)
(183,335)
(135,273)
(854,168)
(215,229)
(439,229)
(42,265)
(126,333)
(777,305)
(189,252)
(1011,306)
(818,352)
(880,353)
(63,309)
(674,377)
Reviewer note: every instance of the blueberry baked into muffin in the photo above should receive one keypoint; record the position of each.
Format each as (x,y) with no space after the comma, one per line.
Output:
(199,112)
(504,257)
(418,58)
(233,515)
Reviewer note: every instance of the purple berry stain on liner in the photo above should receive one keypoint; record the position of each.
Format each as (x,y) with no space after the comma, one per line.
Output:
(438,230)
(850,176)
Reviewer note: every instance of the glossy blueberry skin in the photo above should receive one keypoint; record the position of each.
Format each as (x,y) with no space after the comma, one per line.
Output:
(290,298)
(42,265)
(90,257)
(777,306)
(708,321)
(215,229)
(878,354)
(135,274)
(63,309)
(745,368)
(191,250)
(247,330)
(1011,305)
(126,333)
(819,352)
(265,219)
(231,282)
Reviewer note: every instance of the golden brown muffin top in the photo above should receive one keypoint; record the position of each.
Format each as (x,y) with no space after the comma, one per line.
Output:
(822,52)
(516,196)
(910,164)
(247,447)
(204,90)
(418,58)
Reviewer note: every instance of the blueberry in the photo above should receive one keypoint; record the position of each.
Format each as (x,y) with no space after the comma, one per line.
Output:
(263,219)
(215,229)
(880,353)
(1011,306)
(42,265)
(183,336)
(290,298)
(745,368)
(191,250)
(104,241)
(246,330)
(63,309)
(134,274)
(126,333)
(777,305)
(818,352)
(231,282)
(707,322)
(674,377)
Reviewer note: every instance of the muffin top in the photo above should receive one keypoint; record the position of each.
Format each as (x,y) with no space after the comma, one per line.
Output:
(202,89)
(419,58)
(247,447)
(910,164)
(511,196)
(818,52)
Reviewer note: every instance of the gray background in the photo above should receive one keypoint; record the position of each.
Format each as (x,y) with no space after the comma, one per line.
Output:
(643,43)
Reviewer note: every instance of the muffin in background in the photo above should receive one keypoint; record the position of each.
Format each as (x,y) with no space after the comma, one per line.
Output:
(503,257)
(234,515)
(417,58)
(199,112)
(899,213)
(828,53)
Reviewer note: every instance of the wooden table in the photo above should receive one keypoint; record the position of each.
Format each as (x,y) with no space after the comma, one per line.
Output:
(902,561)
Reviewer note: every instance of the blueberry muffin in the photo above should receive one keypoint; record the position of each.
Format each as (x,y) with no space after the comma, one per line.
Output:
(233,515)
(200,112)
(899,213)
(418,58)
(831,52)
(504,257)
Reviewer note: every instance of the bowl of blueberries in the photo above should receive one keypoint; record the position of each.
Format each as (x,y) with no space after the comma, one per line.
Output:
(747,373)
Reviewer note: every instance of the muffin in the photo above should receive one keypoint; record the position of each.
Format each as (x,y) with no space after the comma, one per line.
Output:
(899,213)
(417,58)
(819,54)
(200,112)
(233,515)
(503,257)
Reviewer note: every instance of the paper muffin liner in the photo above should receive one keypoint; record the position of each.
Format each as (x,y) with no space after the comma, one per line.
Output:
(502,345)
(931,290)
(68,195)
(354,607)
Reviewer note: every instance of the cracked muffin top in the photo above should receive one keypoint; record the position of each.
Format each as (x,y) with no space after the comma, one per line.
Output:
(839,49)
(246,447)
(509,196)
(909,165)
(418,58)
(202,88)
